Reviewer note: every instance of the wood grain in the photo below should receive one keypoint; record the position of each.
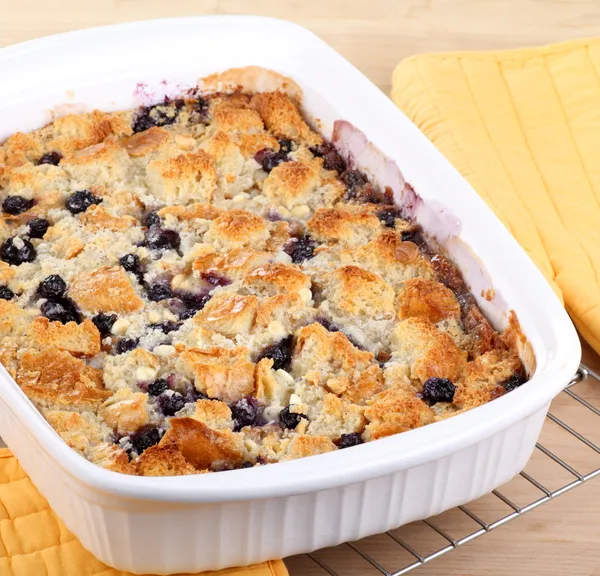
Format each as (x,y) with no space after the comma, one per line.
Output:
(558,538)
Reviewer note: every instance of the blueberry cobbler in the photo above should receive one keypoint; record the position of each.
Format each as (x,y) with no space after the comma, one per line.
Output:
(204,284)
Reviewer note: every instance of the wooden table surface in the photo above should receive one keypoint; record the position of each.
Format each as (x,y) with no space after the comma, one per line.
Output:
(561,537)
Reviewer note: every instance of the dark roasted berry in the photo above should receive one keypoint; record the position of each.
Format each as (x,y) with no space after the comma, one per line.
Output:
(104,323)
(157,387)
(153,219)
(60,310)
(285,145)
(408,236)
(438,390)
(17,250)
(169,404)
(215,279)
(126,345)
(131,262)
(52,287)
(300,249)
(269,159)
(348,440)
(80,201)
(327,324)
(331,159)
(158,292)
(247,465)
(290,419)
(50,158)
(6,293)
(280,353)
(145,439)
(388,217)
(38,227)
(159,239)
(513,382)
(15,205)
(158,115)
(166,327)
(353,179)
(246,412)
(188,303)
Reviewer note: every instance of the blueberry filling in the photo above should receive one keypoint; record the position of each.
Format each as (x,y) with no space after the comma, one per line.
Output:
(158,292)
(357,188)
(104,323)
(186,304)
(166,327)
(158,115)
(348,440)
(169,404)
(126,345)
(157,387)
(17,250)
(388,217)
(331,159)
(159,239)
(38,227)
(80,201)
(290,419)
(152,219)
(300,249)
(52,287)
(215,279)
(145,439)
(60,310)
(130,262)
(15,205)
(246,412)
(6,293)
(438,390)
(285,145)
(269,159)
(50,158)
(280,353)
(513,382)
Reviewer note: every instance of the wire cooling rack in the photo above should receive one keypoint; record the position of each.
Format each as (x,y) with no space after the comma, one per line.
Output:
(567,454)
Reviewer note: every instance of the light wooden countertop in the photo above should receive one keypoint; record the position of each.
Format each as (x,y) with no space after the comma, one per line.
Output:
(561,537)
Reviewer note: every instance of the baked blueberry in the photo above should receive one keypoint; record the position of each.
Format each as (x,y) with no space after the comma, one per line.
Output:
(169,404)
(290,419)
(269,159)
(513,382)
(38,227)
(285,145)
(438,390)
(50,158)
(17,250)
(104,323)
(60,310)
(166,326)
(152,219)
(331,159)
(348,440)
(188,303)
(280,353)
(126,345)
(300,249)
(6,293)
(158,292)
(159,239)
(215,279)
(145,439)
(408,236)
(388,217)
(15,205)
(80,201)
(157,387)
(52,287)
(158,115)
(130,262)
(246,412)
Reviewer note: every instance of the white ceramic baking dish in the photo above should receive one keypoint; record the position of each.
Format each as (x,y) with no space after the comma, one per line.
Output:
(188,524)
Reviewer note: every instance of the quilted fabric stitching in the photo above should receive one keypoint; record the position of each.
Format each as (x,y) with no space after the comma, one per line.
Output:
(66,557)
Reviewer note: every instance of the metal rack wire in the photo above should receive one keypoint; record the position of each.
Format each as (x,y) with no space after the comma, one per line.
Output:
(546,476)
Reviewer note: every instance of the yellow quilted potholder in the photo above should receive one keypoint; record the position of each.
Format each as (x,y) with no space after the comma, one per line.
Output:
(523,126)
(34,542)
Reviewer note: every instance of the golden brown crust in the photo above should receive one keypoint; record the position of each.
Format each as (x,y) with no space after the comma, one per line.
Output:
(291,183)
(420,298)
(304,445)
(238,228)
(125,411)
(163,460)
(228,314)
(98,218)
(111,457)
(343,225)
(274,277)
(78,339)
(145,142)
(203,447)
(105,290)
